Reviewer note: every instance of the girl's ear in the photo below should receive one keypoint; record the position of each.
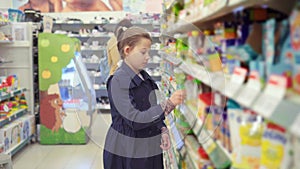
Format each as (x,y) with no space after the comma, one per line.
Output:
(127,50)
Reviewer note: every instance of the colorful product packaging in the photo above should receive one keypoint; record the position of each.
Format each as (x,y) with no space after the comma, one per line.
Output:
(246,130)
(275,148)
(269,44)
(234,112)
(295,43)
(205,100)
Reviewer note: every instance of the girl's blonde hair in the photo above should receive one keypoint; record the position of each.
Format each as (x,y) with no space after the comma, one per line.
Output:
(130,37)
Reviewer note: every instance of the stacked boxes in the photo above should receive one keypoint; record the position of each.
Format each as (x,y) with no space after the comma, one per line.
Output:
(14,133)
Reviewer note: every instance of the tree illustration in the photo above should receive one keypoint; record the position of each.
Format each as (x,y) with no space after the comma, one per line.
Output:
(55,53)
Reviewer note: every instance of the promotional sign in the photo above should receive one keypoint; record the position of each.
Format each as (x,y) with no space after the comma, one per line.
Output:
(49,6)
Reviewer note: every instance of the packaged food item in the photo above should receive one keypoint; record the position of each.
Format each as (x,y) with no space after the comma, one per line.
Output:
(269,42)
(275,148)
(205,100)
(295,43)
(179,78)
(15,15)
(234,112)
(191,91)
(250,131)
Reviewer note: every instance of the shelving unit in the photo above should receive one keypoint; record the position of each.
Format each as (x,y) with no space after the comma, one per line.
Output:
(218,9)
(18,147)
(6,96)
(283,112)
(220,83)
(12,117)
(20,53)
(18,60)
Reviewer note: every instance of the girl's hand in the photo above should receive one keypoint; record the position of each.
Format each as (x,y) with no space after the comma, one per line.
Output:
(165,140)
(178,97)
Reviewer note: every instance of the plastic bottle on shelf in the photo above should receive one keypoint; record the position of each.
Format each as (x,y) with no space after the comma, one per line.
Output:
(179,78)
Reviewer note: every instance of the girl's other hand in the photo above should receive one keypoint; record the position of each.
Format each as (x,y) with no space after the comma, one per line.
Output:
(165,141)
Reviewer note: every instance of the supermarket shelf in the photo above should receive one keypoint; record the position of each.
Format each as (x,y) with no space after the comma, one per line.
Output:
(220,82)
(93,50)
(98,80)
(102,106)
(189,116)
(153,52)
(101,92)
(19,146)
(170,58)
(3,62)
(152,65)
(175,133)
(221,8)
(92,66)
(217,80)
(107,26)
(4,23)
(6,42)
(285,113)
(224,149)
(156,78)
(15,43)
(203,136)
(89,36)
(5,96)
(12,117)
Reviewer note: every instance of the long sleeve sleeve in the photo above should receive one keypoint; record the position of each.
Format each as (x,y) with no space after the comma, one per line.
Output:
(135,118)
(167,107)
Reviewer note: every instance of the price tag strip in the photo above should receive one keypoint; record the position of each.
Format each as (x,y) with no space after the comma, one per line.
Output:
(249,93)
(213,7)
(234,2)
(236,81)
(271,96)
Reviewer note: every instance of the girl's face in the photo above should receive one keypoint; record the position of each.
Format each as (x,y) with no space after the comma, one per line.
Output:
(138,56)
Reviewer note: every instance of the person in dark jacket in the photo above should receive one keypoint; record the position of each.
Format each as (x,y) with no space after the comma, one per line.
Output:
(137,135)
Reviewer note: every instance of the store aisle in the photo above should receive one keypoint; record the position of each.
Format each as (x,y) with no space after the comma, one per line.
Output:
(89,156)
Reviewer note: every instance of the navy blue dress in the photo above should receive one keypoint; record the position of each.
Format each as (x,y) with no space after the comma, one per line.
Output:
(133,140)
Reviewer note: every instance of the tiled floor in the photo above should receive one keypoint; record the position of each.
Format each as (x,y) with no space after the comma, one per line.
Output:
(89,156)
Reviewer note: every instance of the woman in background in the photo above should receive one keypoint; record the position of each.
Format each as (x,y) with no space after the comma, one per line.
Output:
(113,54)
(43,6)
(92,5)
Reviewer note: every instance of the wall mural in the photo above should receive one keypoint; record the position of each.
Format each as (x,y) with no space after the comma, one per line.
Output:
(46,6)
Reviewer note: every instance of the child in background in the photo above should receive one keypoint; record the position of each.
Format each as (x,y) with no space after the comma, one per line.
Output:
(112,51)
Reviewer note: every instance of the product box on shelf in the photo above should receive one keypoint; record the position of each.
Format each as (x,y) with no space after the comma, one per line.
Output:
(9,135)
(19,32)
(26,126)
(275,141)
(205,100)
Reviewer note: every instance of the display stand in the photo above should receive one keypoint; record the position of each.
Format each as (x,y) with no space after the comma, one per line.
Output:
(17,123)
(67,98)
